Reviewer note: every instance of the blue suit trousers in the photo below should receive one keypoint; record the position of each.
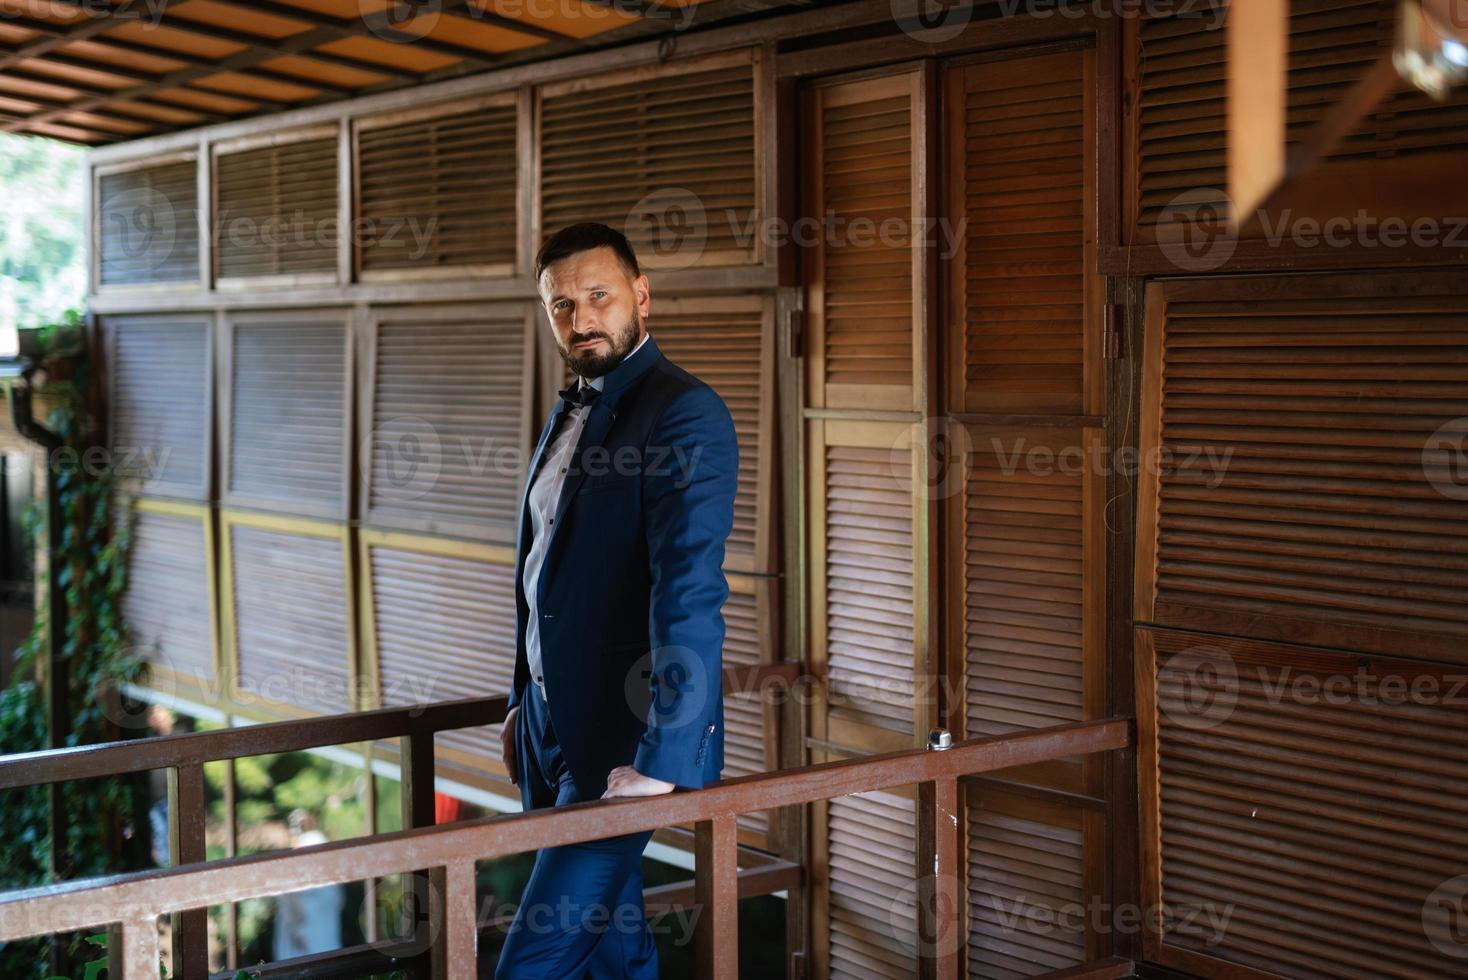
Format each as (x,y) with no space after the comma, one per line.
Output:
(582,913)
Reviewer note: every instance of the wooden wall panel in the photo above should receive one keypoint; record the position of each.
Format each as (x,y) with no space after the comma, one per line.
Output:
(1033,580)
(287,422)
(865,181)
(276,209)
(447,418)
(1019,171)
(863,562)
(162,398)
(1308,810)
(1029,897)
(439,625)
(872,908)
(686,178)
(1311,488)
(146,225)
(169,605)
(436,190)
(288,627)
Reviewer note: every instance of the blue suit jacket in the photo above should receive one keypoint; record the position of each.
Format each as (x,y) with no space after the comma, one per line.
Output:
(632,586)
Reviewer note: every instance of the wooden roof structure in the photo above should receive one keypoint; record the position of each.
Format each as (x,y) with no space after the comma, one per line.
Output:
(103,71)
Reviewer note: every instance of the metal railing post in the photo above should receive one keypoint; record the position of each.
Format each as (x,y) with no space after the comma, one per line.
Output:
(716,891)
(939,912)
(186,816)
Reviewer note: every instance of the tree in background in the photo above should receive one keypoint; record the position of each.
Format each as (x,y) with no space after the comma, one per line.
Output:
(42,271)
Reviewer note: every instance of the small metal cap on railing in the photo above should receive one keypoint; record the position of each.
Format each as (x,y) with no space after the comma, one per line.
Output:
(940,739)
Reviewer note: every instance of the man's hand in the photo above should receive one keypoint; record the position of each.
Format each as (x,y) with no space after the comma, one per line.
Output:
(626,781)
(507,745)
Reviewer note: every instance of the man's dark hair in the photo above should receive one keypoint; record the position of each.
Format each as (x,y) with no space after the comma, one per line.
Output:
(582,237)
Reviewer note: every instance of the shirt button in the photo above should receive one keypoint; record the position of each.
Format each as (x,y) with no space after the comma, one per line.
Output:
(563,469)
(552,520)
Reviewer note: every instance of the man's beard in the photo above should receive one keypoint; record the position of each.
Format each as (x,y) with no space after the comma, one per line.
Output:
(590,364)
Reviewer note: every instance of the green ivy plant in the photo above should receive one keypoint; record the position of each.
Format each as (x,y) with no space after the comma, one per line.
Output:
(102,815)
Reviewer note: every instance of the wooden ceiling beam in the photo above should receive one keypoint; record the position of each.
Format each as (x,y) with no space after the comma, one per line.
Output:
(153,51)
(89,31)
(379,26)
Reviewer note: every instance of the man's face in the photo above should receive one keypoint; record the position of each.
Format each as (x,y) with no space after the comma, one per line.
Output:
(596,312)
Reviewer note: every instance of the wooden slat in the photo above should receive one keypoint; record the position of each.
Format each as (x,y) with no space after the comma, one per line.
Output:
(1020,199)
(872,901)
(168,605)
(277,210)
(439,191)
(291,632)
(683,185)
(450,420)
(1312,487)
(1322,826)
(1026,888)
(865,196)
(869,610)
(442,628)
(287,413)
(147,225)
(160,402)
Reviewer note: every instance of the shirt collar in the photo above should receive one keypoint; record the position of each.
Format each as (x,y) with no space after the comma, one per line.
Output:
(598,382)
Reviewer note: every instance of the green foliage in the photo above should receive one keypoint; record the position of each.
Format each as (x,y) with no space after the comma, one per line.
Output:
(41,253)
(91,566)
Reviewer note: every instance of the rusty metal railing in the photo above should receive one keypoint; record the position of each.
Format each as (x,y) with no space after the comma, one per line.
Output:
(132,902)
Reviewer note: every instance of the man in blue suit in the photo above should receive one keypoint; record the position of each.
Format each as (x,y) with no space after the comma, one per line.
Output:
(619,590)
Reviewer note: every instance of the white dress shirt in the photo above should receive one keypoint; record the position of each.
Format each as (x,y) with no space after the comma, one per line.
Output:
(545,493)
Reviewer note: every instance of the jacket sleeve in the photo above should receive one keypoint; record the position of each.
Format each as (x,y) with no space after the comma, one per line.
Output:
(690,476)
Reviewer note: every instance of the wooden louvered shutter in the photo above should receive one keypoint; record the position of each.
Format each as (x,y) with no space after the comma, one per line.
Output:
(438,191)
(863,322)
(1311,495)
(728,342)
(1018,165)
(683,184)
(286,445)
(871,853)
(871,571)
(288,628)
(147,225)
(276,210)
(1312,488)
(169,603)
(449,396)
(439,625)
(1024,578)
(1028,885)
(1316,833)
(1180,121)
(161,399)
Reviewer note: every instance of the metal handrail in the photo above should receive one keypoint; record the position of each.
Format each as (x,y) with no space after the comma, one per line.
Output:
(133,901)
